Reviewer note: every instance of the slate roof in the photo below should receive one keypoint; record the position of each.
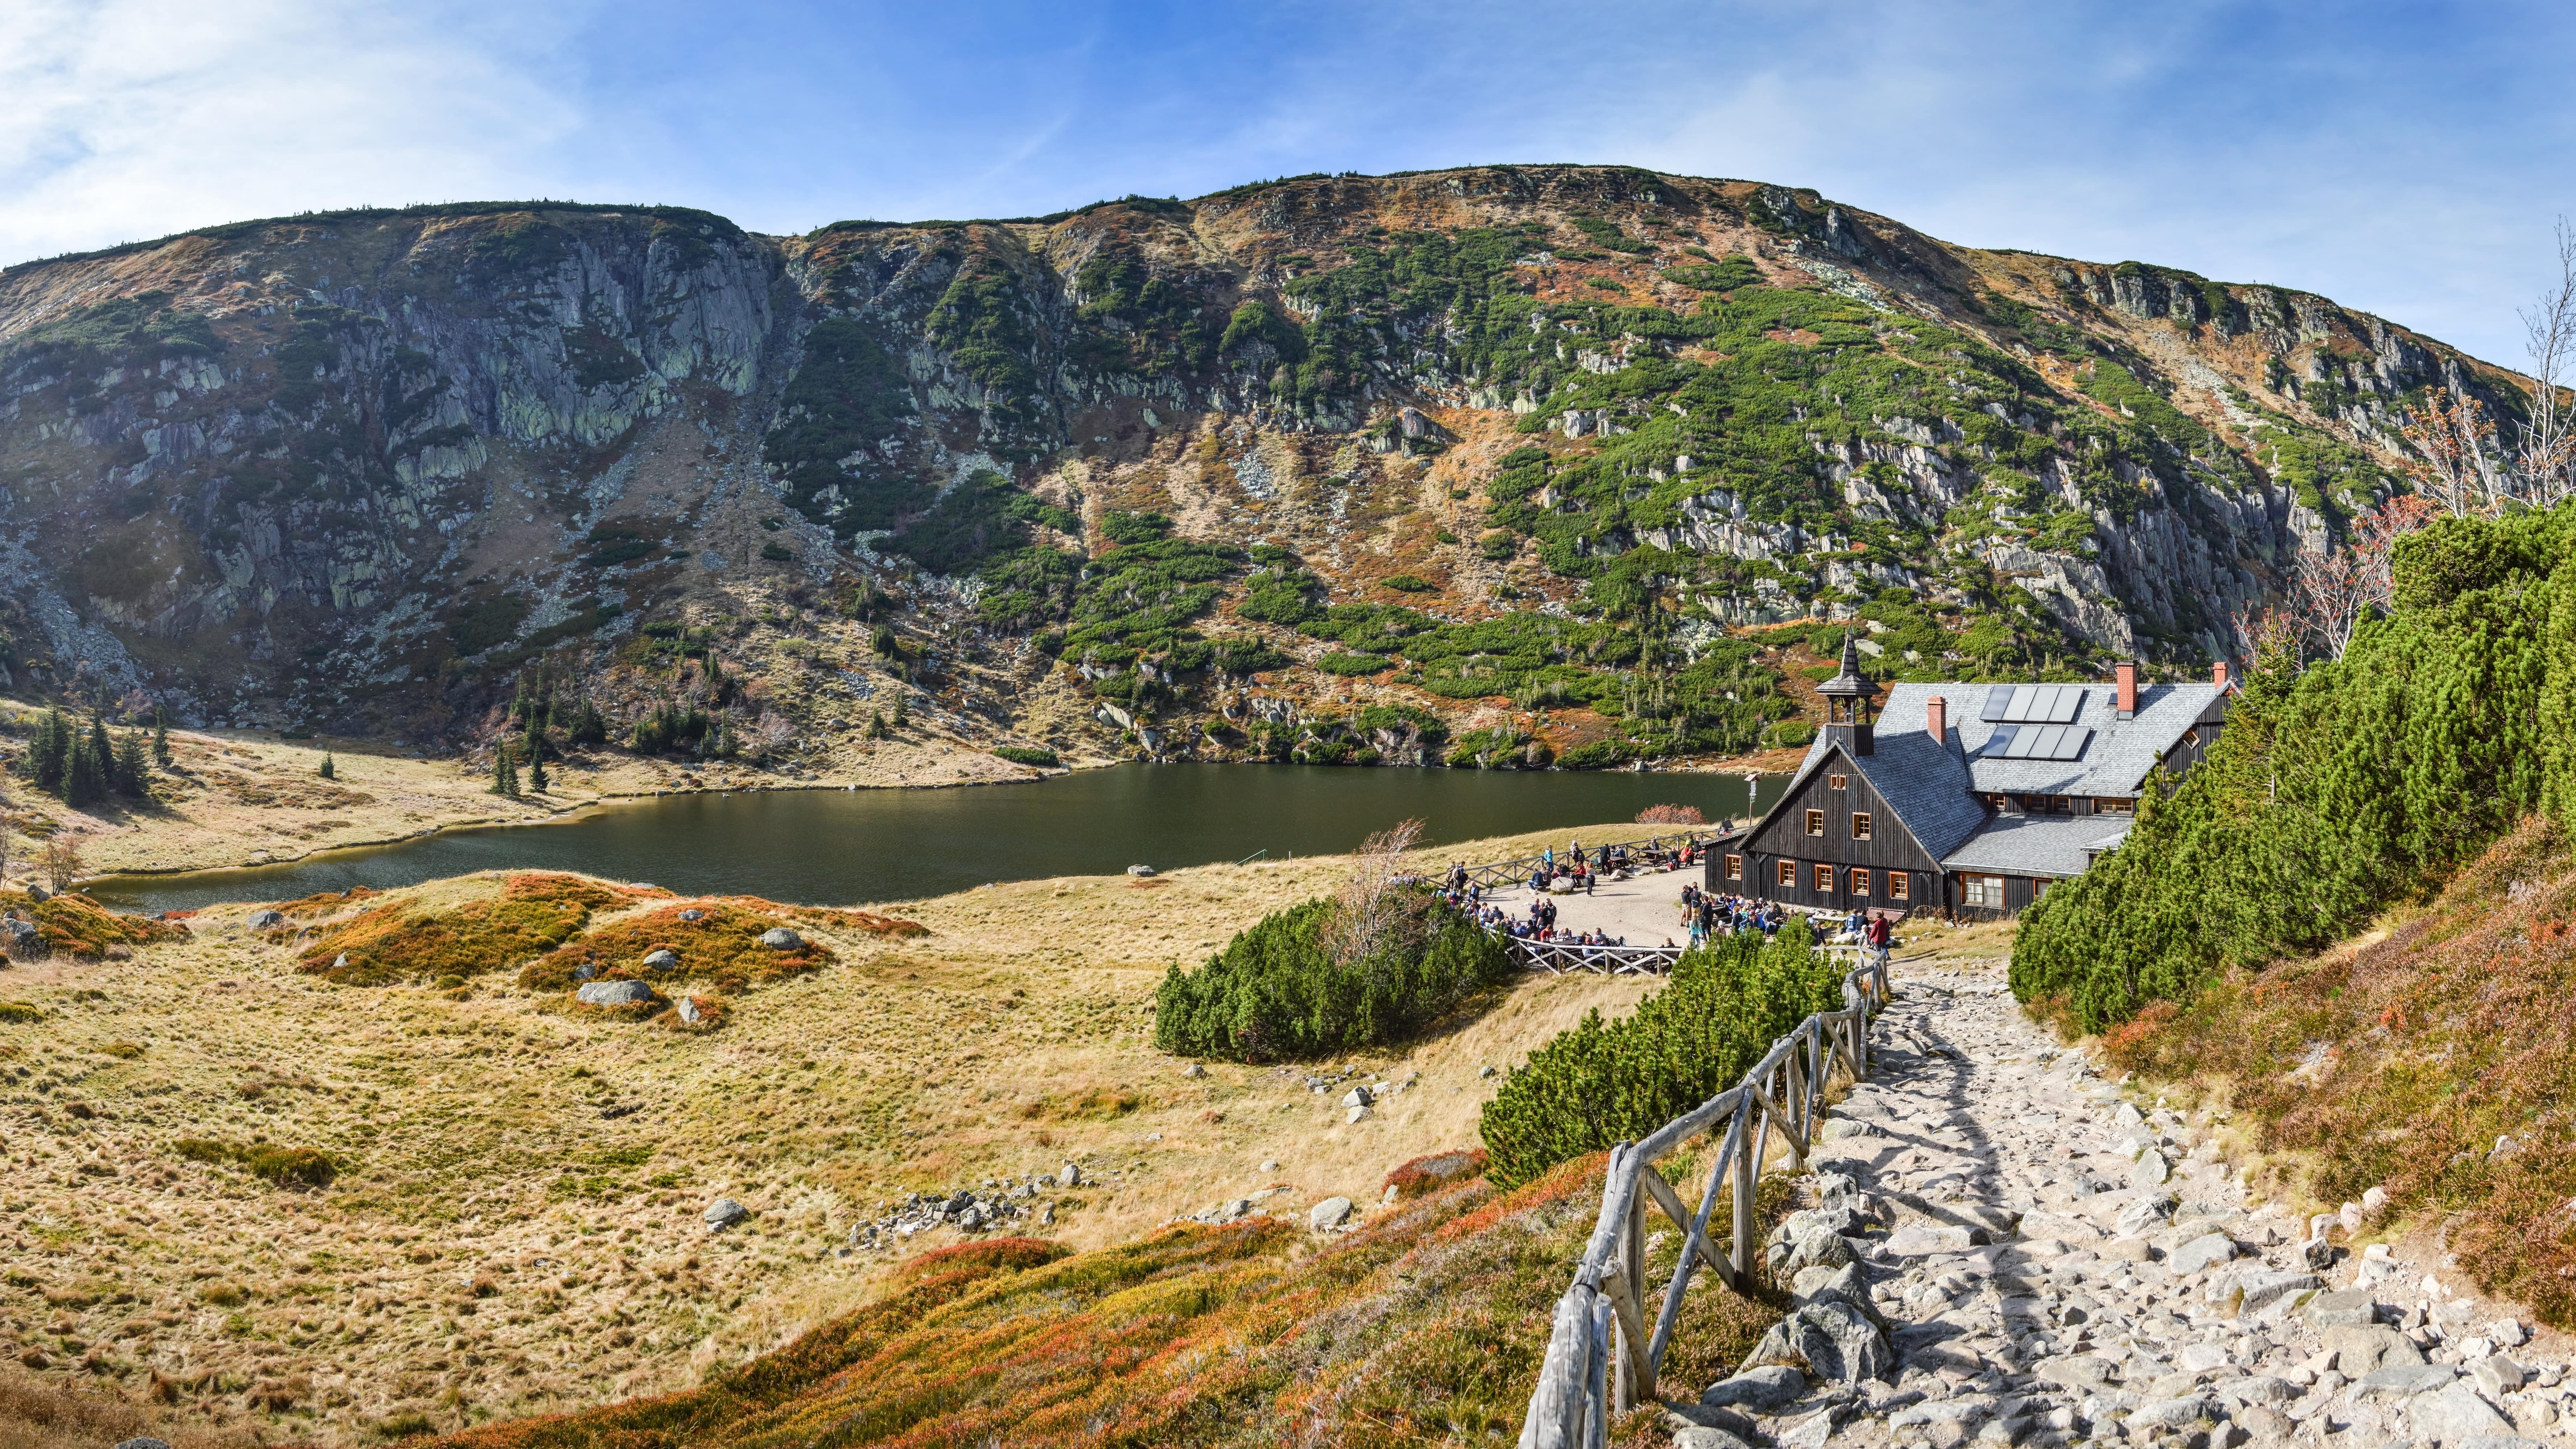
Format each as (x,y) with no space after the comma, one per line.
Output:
(2115,760)
(2049,845)
(1927,785)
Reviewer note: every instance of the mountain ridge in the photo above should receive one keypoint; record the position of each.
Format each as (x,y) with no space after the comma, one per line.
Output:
(1490,464)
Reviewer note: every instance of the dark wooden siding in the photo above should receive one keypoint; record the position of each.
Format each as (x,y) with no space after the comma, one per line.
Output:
(1890,848)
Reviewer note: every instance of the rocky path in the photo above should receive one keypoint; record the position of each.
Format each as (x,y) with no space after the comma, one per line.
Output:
(2012,1250)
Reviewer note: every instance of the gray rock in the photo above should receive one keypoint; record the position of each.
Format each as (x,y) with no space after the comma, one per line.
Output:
(1759,1389)
(779,938)
(2152,1170)
(2456,1414)
(663,960)
(1697,1437)
(2201,1254)
(2317,1253)
(2260,1389)
(1194,1070)
(723,1213)
(1830,1340)
(2081,1372)
(1331,1213)
(2176,1412)
(2495,1441)
(2403,1380)
(693,914)
(2128,1115)
(1917,1239)
(2144,1215)
(614,993)
(2260,1291)
(687,1006)
(1357,1097)
(1069,1176)
(1809,1244)
(1357,1114)
(1837,1129)
(1140,870)
(2498,1374)
(1681,1417)
(146,1443)
(584,972)
(260,919)
(1848,1285)
(2362,1349)
(2346,1306)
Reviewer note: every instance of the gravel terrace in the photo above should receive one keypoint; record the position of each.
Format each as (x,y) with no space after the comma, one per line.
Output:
(2013,1251)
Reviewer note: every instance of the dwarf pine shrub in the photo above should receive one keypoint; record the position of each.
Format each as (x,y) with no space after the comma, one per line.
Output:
(1276,991)
(1602,1083)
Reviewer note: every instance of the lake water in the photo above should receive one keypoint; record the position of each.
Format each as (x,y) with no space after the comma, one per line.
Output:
(831,847)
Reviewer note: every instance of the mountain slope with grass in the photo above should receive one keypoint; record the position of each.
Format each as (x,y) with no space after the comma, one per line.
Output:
(1490,467)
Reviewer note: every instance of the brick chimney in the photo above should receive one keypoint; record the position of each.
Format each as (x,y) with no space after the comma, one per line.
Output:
(2218,674)
(1936,719)
(2127,674)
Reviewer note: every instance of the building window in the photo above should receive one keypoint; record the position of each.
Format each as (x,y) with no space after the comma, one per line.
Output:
(1824,880)
(1788,875)
(1860,825)
(2062,804)
(1982,890)
(1898,883)
(2039,889)
(1860,882)
(1815,822)
(2191,737)
(1838,782)
(1735,867)
(2113,805)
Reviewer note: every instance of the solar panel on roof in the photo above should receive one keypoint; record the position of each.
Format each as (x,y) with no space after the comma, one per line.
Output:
(1998,698)
(2070,698)
(2025,699)
(2072,747)
(1999,744)
(2044,741)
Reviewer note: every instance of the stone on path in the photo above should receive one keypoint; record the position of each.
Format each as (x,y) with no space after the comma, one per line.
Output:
(2362,1349)
(1831,1340)
(1767,1387)
(2456,1414)
(2201,1253)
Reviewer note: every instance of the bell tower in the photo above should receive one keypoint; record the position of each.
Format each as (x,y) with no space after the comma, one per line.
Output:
(1848,697)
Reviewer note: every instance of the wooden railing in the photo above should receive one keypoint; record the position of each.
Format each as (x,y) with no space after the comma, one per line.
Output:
(1517,872)
(1556,958)
(1602,1357)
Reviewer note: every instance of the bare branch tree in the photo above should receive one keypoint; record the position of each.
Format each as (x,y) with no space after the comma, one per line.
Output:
(2454,444)
(2264,634)
(2332,590)
(1374,908)
(2546,457)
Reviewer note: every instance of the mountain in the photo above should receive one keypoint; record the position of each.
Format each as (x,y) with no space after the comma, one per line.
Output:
(1490,465)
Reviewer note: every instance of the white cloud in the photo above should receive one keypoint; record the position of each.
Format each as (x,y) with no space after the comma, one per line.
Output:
(136,118)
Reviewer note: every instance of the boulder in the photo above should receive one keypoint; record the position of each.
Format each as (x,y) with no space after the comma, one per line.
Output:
(2145,1215)
(1917,1239)
(2498,1375)
(662,960)
(1831,1340)
(1685,1418)
(1357,1114)
(687,1006)
(2362,1349)
(1759,1389)
(1848,1284)
(614,993)
(260,920)
(1331,1213)
(143,1443)
(2080,1372)
(693,914)
(2260,1291)
(585,971)
(1357,1097)
(1194,1070)
(1069,1176)
(779,938)
(2174,1413)
(2456,1414)
(2201,1254)
(1140,871)
(2337,1309)
(2152,1170)
(1797,1244)
(723,1213)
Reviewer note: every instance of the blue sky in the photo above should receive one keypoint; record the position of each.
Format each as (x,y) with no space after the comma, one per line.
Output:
(2404,159)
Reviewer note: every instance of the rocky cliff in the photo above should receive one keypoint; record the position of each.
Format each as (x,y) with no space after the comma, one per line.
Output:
(1491,465)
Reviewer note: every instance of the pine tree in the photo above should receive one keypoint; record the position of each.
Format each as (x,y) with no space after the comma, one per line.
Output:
(588,727)
(133,773)
(326,772)
(160,737)
(537,747)
(85,769)
(901,715)
(49,754)
(876,725)
(505,771)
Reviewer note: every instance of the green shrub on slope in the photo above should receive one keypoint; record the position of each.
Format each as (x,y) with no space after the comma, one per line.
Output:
(1275,990)
(2335,790)
(1604,1083)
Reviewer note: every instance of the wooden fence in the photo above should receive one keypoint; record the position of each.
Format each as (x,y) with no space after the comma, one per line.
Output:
(1602,1357)
(1557,958)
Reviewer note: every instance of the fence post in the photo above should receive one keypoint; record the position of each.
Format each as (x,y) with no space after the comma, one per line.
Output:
(1643,1386)
(1747,1169)
(1596,1418)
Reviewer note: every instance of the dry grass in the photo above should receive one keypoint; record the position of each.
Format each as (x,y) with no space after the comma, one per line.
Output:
(512,1226)
(2436,1056)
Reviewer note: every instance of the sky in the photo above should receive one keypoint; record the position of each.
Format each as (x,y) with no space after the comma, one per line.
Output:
(2408,160)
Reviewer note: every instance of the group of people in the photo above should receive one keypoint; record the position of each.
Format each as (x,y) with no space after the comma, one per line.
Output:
(1707,915)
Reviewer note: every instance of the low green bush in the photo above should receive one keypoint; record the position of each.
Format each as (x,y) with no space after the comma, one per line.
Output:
(1275,991)
(1602,1083)
(1029,755)
(1352,665)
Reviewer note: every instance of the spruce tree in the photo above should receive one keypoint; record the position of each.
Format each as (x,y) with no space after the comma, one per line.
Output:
(85,770)
(133,773)
(160,737)
(901,715)
(326,772)
(505,771)
(588,727)
(876,725)
(49,753)
(537,747)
